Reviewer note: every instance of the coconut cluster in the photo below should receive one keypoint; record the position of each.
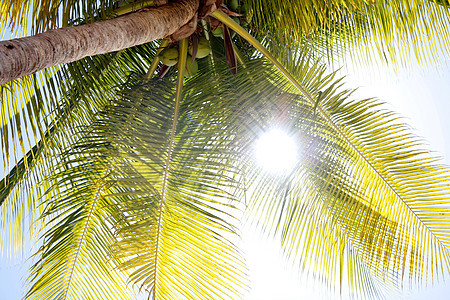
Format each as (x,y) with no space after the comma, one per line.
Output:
(170,56)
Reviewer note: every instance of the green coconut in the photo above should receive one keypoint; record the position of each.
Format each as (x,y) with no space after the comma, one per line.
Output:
(204,49)
(217,32)
(191,67)
(233,4)
(169,57)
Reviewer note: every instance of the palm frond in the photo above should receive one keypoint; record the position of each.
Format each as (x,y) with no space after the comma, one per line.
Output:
(178,237)
(186,250)
(398,30)
(28,105)
(54,105)
(74,260)
(353,153)
(36,16)
(362,171)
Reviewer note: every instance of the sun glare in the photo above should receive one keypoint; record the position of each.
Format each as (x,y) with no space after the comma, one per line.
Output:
(276,151)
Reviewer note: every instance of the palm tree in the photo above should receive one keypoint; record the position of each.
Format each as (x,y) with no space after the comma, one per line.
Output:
(131,181)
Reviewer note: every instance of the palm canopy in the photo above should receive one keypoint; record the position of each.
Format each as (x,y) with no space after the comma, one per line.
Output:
(142,180)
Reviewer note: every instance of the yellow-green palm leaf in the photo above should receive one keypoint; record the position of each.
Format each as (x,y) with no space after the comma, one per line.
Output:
(363,186)
(394,30)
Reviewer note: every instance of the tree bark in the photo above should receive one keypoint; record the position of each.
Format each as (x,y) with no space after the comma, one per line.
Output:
(25,56)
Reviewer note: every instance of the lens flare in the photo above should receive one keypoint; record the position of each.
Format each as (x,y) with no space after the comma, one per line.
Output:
(276,151)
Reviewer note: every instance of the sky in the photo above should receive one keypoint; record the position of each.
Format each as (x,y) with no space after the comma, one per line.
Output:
(420,94)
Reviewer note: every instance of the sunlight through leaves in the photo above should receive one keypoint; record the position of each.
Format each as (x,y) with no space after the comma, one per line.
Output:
(276,151)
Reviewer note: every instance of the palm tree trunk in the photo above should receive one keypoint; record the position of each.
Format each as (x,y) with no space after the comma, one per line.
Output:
(25,56)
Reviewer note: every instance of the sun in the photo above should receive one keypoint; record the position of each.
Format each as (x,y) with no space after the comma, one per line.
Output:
(276,151)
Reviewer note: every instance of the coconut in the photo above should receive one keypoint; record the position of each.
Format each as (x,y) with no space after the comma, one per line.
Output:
(234,4)
(217,32)
(169,56)
(203,50)
(191,67)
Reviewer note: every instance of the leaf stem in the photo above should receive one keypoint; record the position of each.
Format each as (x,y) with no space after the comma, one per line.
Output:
(156,59)
(180,81)
(222,17)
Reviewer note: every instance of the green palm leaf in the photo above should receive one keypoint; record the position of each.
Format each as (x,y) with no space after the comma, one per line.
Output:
(43,15)
(411,28)
(74,259)
(353,156)
(177,239)
(51,112)
(362,171)
(173,215)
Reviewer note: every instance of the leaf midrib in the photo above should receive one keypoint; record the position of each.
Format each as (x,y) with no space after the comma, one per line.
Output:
(179,91)
(83,235)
